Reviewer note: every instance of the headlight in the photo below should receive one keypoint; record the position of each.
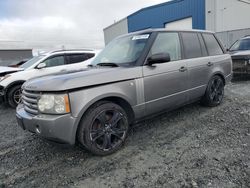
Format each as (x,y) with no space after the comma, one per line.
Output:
(4,77)
(54,104)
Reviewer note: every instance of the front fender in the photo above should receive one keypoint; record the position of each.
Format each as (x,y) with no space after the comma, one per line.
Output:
(81,100)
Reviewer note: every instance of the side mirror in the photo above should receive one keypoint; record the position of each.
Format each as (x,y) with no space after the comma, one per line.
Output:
(41,66)
(159,58)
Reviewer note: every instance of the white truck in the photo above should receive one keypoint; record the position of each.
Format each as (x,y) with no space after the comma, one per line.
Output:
(11,79)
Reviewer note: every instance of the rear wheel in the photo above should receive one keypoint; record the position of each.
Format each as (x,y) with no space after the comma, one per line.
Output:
(14,96)
(214,93)
(103,129)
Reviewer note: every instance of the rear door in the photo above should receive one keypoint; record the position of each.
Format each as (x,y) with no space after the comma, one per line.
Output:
(220,61)
(165,84)
(76,61)
(198,65)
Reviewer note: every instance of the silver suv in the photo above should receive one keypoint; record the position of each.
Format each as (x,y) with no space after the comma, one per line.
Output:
(135,76)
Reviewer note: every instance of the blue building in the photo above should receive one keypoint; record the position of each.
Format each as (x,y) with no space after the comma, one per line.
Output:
(159,16)
(214,15)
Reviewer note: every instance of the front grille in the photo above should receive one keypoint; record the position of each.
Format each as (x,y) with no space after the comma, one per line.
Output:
(241,66)
(29,99)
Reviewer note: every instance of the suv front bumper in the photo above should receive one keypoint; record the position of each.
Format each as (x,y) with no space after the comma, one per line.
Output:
(60,128)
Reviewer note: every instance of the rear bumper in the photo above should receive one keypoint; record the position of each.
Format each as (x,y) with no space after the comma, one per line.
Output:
(59,128)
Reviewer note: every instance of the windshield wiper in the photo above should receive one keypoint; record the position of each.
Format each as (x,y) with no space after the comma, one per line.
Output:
(108,64)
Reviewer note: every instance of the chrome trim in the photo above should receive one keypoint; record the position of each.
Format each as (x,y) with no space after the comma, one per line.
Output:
(176,94)
(30,100)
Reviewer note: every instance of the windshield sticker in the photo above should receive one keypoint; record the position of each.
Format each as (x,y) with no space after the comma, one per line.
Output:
(140,37)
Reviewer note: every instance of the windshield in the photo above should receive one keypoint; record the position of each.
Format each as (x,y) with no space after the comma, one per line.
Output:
(243,44)
(31,62)
(125,50)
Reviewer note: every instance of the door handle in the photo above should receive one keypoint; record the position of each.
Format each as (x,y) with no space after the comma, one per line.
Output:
(63,70)
(210,64)
(183,69)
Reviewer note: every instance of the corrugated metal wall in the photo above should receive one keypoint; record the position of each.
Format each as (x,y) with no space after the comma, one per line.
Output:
(157,16)
(119,28)
(10,57)
(229,37)
(227,15)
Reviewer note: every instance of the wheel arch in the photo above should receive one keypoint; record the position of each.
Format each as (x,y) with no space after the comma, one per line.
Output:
(19,82)
(124,104)
(220,74)
(121,101)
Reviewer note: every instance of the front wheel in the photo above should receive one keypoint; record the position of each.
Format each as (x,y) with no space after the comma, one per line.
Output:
(214,93)
(14,96)
(103,129)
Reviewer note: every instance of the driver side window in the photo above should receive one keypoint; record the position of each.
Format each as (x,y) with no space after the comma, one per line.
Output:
(167,43)
(54,61)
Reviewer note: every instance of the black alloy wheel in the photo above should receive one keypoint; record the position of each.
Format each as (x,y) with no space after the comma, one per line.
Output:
(215,92)
(103,128)
(108,130)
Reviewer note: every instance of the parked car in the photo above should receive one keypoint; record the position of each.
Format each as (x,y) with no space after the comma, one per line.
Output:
(240,52)
(137,75)
(11,79)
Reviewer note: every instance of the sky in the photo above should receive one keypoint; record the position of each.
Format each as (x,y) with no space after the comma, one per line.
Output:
(53,23)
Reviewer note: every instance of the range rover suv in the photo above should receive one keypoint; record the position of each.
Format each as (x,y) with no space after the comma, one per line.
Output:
(11,79)
(240,52)
(135,76)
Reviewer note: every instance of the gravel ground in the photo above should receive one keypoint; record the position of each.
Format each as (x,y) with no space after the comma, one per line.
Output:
(193,146)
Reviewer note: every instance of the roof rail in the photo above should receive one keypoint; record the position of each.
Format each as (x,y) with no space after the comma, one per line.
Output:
(62,50)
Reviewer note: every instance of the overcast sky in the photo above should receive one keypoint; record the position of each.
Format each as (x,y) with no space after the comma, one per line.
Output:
(58,22)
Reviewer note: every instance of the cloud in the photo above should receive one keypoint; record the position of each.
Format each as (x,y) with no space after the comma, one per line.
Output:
(46,23)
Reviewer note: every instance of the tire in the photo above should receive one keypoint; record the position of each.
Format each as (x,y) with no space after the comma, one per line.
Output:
(103,128)
(214,92)
(12,97)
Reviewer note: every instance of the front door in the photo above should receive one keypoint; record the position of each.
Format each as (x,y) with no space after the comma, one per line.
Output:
(165,84)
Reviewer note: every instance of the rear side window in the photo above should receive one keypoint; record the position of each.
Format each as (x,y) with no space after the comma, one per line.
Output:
(212,44)
(77,58)
(167,43)
(54,61)
(192,47)
(203,46)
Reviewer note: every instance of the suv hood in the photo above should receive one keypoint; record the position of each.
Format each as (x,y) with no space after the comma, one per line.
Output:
(84,78)
(8,70)
(240,53)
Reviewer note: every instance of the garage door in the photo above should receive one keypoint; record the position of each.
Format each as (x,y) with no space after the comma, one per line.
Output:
(186,23)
